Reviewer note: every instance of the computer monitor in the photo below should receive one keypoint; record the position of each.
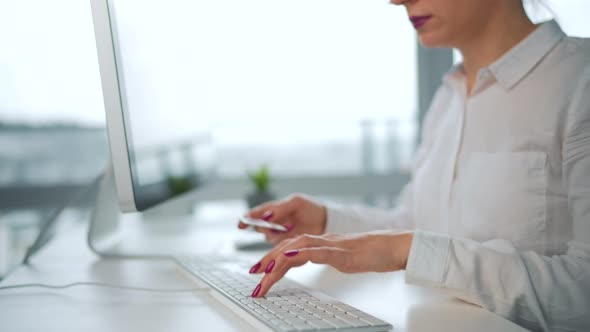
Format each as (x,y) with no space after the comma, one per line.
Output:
(159,147)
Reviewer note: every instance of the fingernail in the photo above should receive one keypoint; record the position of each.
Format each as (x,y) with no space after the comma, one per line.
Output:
(291,253)
(270,266)
(256,290)
(267,215)
(255,268)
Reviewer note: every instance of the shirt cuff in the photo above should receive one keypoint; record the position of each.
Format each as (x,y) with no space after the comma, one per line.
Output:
(428,259)
(338,219)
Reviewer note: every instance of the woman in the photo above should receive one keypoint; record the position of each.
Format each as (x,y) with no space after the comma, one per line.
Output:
(498,209)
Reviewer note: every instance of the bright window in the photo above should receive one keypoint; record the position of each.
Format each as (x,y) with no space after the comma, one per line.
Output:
(288,82)
(572,15)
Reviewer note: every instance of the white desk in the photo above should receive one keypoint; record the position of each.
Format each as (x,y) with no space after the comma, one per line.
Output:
(67,259)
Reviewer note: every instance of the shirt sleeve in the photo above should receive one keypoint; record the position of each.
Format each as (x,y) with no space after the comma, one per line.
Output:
(535,291)
(351,219)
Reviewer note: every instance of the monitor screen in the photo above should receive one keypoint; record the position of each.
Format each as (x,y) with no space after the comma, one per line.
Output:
(162,101)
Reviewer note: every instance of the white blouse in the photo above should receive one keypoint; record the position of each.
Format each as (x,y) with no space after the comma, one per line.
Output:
(500,191)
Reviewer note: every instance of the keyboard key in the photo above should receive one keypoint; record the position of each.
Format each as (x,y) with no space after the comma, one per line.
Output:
(279,312)
(324,314)
(293,320)
(284,328)
(302,326)
(290,298)
(310,307)
(297,311)
(267,315)
(307,317)
(274,310)
(337,322)
(282,303)
(344,307)
(260,311)
(276,321)
(261,301)
(352,321)
(320,324)
(290,315)
(373,321)
(326,307)
(290,307)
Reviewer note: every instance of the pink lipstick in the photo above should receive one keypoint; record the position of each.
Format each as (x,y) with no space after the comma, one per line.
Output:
(419,21)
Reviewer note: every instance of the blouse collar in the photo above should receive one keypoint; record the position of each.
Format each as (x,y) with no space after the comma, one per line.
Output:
(513,66)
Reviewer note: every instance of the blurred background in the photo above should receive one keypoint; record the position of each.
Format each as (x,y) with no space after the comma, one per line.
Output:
(309,88)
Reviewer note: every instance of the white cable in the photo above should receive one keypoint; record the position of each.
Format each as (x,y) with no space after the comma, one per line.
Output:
(102,284)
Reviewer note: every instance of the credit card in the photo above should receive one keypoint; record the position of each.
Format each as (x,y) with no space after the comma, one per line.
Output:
(263,224)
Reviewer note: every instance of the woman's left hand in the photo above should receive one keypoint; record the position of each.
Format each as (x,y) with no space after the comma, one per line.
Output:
(350,253)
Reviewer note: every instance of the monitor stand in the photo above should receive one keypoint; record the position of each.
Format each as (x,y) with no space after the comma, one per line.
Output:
(158,235)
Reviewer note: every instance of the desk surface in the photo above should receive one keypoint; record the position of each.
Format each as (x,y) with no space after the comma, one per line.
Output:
(67,259)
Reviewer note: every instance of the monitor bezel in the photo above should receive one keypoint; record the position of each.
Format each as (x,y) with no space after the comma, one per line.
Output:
(113,104)
(133,195)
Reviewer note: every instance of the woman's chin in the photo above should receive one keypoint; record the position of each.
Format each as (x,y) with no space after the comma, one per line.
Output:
(430,40)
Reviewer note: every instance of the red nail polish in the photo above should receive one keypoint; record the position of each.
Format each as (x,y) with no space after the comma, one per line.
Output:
(270,266)
(256,290)
(291,253)
(255,268)
(267,215)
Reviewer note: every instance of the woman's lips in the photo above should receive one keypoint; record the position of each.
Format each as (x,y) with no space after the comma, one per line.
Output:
(419,21)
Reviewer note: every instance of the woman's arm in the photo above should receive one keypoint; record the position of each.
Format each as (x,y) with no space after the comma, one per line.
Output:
(552,293)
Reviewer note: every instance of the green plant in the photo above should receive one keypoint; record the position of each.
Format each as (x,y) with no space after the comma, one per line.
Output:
(179,184)
(260,178)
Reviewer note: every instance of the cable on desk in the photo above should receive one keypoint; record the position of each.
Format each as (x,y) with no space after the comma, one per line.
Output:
(107,285)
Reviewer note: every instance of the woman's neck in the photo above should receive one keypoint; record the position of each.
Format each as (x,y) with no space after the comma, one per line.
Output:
(504,30)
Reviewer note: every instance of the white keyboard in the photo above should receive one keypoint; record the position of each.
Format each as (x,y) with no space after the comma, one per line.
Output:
(287,307)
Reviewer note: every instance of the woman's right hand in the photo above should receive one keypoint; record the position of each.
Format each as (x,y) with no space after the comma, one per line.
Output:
(299,214)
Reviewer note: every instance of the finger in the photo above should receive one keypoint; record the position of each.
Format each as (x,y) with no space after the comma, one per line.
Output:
(297,257)
(269,257)
(277,211)
(277,237)
(259,213)
(275,271)
(264,211)
(302,241)
(334,256)
(267,232)
(270,279)
(262,265)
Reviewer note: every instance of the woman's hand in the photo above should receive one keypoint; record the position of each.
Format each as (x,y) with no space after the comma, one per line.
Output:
(300,215)
(364,252)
